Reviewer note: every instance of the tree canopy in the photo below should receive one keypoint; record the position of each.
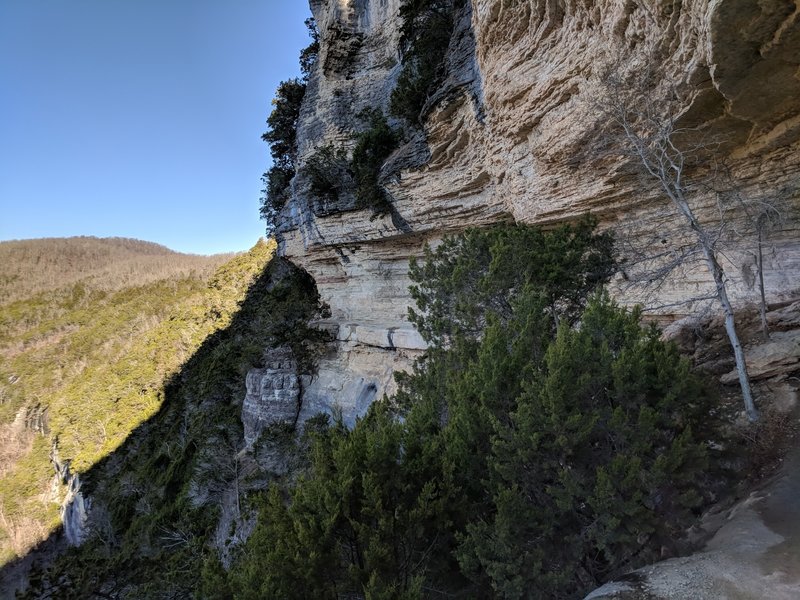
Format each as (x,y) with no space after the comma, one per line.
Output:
(481,272)
(282,138)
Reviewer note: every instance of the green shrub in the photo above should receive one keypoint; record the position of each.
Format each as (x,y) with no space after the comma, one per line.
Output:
(373,147)
(425,35)
(481,271)
(329,172)
(600,461)
(362,522)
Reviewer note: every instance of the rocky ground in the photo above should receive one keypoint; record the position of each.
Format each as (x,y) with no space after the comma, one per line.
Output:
(753,547)
(753,555)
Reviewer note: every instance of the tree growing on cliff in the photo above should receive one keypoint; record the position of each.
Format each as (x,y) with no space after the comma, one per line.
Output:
(373,146)
(427,26)
(281,136)
(309,54)
(331,173)
(650,132)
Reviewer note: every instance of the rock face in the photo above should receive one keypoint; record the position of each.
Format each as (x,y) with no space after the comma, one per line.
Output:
(75,506)
(505,139)
(778,356)
(273,393)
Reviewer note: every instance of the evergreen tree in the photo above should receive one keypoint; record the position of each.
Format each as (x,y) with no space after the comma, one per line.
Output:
(281,136)
(599,461)
(427,26)
(364,520)
(488,303)
(372,147)
(483,270)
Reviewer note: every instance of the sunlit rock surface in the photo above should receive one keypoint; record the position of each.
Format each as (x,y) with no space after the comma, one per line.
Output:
(505,140)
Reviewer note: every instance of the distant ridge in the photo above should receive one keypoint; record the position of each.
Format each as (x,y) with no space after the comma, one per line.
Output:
(28,267)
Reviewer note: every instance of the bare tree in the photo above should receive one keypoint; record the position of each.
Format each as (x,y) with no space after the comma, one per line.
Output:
(759,216)
(649,130)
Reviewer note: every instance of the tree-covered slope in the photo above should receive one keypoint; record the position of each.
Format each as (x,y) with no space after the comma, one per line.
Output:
(91,333)
(179,488)
(28,267)
(544,443)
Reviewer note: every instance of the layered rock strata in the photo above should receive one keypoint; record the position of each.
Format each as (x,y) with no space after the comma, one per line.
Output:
(505,138)
(273,393)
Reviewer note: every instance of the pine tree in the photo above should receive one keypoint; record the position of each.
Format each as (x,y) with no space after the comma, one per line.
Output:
(599,460)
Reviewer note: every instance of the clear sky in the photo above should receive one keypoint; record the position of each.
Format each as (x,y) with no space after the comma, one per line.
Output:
(140,118)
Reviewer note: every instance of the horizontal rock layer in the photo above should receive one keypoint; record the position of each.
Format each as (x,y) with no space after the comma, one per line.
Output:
(273,393)
(505,139)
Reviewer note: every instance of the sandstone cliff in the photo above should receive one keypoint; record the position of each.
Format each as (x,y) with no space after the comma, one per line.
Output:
(504,139)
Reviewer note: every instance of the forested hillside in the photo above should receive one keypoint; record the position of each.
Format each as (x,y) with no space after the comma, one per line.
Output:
(179,487)
(90,331)
(28,267)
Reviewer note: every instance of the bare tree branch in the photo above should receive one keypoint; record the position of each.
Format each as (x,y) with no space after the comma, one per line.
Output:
(647,129)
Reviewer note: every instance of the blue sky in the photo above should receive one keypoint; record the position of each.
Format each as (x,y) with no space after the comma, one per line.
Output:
(140,118)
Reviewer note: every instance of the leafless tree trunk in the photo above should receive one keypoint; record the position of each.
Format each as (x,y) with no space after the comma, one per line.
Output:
(770,215)
(760,215)
(649,133)
(760,267)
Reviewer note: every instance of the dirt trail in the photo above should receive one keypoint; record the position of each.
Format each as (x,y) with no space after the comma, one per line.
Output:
(755,554)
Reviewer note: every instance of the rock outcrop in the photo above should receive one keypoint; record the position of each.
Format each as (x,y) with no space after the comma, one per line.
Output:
(505,138)
(273,393)
(780,355)
(75,505)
